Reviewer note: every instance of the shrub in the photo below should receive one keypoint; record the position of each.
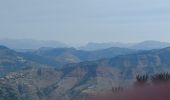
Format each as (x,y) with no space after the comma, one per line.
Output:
(117,89)
(160,78)
(142,79)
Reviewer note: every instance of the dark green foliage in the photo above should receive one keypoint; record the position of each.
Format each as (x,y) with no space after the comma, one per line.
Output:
(154,79)
(159,78)
(142,79)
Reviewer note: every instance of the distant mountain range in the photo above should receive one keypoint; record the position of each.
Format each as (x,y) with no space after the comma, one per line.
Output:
(11,60)
(148,45)
(57,57)
(72,55)
(145,45)
(75,81)
(24,45)
(48,73)
(99,46)
(30,44)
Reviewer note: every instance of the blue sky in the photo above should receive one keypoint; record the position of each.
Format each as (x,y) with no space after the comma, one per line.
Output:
(82,21)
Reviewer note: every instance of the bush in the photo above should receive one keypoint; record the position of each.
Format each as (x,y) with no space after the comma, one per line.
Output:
(160,78)
(117,89)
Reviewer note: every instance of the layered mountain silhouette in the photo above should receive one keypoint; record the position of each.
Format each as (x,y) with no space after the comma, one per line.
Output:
(30,44)
(11,60)
(149,45)
(72,55)
(52,57)
(75,81)
(145,45)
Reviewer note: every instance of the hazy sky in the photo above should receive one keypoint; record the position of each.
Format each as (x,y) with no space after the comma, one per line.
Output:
(82,21)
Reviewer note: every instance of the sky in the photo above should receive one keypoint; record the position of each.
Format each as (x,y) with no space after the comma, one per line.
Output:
(82,21)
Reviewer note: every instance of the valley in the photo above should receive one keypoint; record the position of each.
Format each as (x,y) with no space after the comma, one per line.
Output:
(76,80)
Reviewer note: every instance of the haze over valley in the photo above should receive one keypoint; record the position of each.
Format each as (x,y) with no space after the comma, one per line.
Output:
(84,50)
(72,74)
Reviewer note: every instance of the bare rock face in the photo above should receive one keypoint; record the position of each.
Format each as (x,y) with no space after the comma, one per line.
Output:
(45,83)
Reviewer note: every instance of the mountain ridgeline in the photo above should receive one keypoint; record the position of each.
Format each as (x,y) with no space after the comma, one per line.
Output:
(23,45)
(11,60)
(145,45)
(75,81)
(72,55)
